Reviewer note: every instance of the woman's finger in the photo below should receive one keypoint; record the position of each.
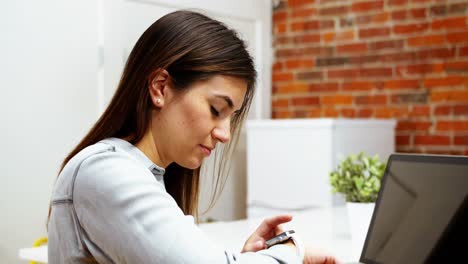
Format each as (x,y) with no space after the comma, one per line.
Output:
(271,223)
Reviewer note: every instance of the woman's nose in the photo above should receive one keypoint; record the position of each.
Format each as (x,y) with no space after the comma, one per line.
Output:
(222,132)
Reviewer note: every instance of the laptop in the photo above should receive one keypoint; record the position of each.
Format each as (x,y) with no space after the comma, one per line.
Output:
(421,213)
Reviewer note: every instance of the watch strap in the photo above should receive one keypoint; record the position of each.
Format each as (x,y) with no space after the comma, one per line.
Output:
(299,246)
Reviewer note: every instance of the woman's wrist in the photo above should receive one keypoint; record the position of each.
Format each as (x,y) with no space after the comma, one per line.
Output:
(299,246)
(296,246)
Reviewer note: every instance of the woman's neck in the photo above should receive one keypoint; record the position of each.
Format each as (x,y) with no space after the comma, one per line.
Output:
(149,147)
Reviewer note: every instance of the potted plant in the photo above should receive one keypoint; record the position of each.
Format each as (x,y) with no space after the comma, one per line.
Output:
(358,179)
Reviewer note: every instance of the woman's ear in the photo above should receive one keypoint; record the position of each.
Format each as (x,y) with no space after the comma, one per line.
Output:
(158,87)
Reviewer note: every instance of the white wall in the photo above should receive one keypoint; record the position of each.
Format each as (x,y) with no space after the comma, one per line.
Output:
(53,90)
(48,100)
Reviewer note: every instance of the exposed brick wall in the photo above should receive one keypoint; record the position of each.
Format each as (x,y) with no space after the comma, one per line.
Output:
(406,60)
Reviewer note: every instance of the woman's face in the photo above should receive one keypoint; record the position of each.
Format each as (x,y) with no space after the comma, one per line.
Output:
(189,124)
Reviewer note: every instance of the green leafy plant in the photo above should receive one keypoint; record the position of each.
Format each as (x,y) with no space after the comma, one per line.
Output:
(358,177)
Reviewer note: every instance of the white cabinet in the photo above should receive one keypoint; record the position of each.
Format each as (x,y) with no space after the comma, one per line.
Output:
(288,161)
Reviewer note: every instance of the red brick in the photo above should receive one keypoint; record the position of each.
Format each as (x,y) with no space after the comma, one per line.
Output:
(352,48)
(377,18)
(367,6)
(322,51)
(374,32)
(432,140)
(358,86)
(365,112)
(380,17)
(280,28)
(428,40)
(402,140)
(348,112)
(293,88)
(297,3)
(391,112)
(323,87)
(453,96)
(309,38)
(458,8)
(297,63)
(413,125)
(420,69)
(371,100)
(277,66)
(452,125)
(410,28)
(330,112)
(350,73)
(338,36)
(280,53)
(363,59)
(279,16)
(418,13)
(461,140)
(399,15)
(397,57)
(376,72)
(282,77)
(445,82)
(282,40)
(334,11)
(443,110)
(438,10)
(463,51)
(315,112)
(460,109)
(309,75)
(278,103)
(337,99)
(440,53)
(458,37)
(312,25)
(405,98)
(306,12)
(449,23)
(306,101)
(300,113)
(386,44)
(420,111)
(281,114)
(397,2)
(457,66)
(303,25)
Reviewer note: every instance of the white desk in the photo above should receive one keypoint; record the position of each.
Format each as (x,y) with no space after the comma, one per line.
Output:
(320,228)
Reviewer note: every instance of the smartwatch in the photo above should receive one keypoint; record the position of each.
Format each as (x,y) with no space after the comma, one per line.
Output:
(285,236)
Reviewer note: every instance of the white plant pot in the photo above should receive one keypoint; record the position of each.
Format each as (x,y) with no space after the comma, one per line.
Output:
(359,216)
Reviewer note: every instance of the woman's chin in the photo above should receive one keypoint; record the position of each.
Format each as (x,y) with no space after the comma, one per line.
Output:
(192,164)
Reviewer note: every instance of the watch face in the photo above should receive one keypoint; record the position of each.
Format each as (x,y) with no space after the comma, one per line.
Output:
(279,238)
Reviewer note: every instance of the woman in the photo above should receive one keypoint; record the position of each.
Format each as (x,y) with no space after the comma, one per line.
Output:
(126,192)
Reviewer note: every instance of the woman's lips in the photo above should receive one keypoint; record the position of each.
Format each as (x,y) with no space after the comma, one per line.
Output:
(206,150)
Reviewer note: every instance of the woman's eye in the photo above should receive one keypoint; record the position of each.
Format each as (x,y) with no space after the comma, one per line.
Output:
(214,111)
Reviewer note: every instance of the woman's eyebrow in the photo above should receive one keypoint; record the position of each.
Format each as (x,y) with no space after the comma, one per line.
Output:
(227,99)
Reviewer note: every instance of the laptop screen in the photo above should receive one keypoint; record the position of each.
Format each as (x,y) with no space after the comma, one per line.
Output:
(421,209)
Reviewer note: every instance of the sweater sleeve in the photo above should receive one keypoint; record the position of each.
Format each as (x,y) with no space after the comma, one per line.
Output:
(128,217)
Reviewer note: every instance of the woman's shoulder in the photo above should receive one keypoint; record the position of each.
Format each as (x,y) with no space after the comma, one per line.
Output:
(101,165)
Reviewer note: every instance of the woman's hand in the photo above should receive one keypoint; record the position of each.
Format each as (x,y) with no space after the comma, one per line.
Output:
(316,256)
(267,229)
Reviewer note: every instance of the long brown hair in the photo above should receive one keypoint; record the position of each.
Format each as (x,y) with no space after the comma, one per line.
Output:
(191,47)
